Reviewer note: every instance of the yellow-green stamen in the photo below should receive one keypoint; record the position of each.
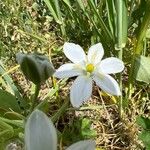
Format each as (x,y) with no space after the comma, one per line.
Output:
(90,68)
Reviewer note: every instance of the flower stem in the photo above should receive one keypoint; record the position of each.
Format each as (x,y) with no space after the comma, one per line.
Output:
(34,100)
(119,5)
(120,84)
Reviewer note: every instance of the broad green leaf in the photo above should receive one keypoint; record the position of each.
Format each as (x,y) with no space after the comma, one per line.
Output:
(143,122)
(145,134)
(142,69)
(86,130)
(8,101)
(145,137)
(40,133)
(83,145)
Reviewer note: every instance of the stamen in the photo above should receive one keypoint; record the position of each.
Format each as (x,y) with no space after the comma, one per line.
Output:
(90,68)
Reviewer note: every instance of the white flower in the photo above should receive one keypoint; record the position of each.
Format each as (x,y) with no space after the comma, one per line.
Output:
(88,68)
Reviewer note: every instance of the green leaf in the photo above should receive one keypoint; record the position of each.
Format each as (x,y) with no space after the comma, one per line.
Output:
(142,69)
(10,84)
(40,132)
(79,129)
(143,122)
(145,137)
(86,130)
(51,8)
(6,130)
(8,101)
(83,145)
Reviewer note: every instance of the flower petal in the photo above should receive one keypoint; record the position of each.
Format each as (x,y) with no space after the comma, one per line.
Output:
(81,90)
(74,52)
(111,65)
(67,70)
(107,83)
(95,53)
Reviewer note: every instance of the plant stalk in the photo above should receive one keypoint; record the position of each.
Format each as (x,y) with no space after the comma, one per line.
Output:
(34,100)
(119,5)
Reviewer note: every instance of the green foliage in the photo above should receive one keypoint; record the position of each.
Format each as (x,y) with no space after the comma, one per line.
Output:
(142,69)
(9,129)
(79,129)
(143,122)
(6,132)
(145,134)
(8,84)
(145,137)
(8,102)
(82,21)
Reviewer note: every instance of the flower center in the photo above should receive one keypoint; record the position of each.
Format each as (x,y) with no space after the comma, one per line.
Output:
(90,68)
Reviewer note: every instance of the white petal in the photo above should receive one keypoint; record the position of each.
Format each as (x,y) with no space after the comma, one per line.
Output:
(107,83)
(95,53)
(83,145)
(81,90)
(67,70)
(74,52)
(111,65)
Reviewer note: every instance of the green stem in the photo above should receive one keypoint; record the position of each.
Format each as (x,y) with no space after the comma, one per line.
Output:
(120,84)
(119,4)
(34,100)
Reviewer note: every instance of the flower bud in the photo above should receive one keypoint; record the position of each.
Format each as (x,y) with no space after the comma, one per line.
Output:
(35,67)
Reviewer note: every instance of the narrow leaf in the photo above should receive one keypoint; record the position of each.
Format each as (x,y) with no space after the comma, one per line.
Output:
(124,22)
(52,9)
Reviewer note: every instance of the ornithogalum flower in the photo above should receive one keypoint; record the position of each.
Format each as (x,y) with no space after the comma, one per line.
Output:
(88,68)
